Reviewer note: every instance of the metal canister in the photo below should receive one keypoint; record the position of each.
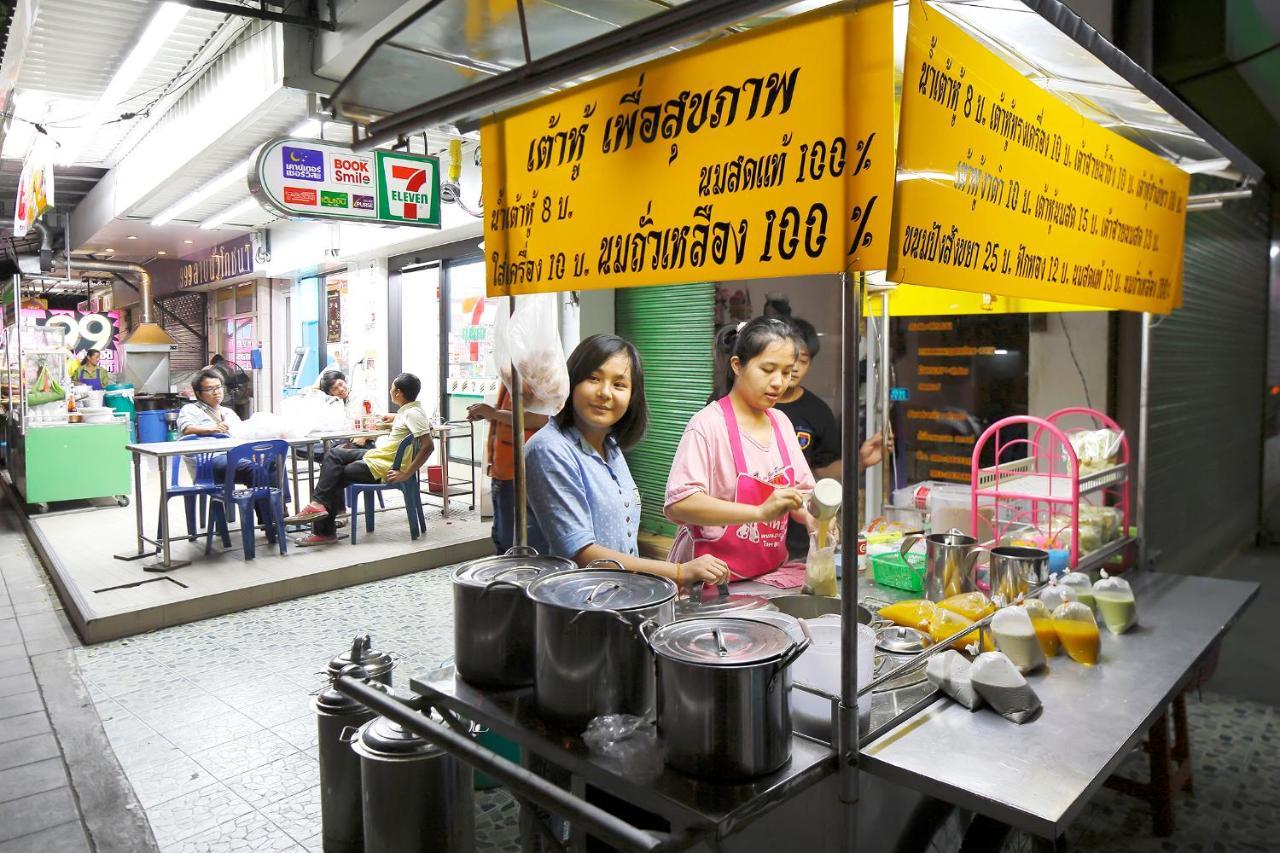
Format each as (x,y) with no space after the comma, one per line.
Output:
(342,829)
(377,665)
(415,796)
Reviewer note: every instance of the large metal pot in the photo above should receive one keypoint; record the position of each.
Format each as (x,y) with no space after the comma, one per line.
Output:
(493,619)
(724,695)
(589,658)
(416,797)
(342,830)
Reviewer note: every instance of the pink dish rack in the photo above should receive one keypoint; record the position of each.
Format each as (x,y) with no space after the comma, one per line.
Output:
(1030,491)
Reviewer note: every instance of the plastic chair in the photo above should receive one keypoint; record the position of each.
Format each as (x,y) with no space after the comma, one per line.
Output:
(409,489)
(266,497)
(201,487)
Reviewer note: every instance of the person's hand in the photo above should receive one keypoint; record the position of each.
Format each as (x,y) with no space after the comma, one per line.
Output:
(706,568)
(780,503)
(481,411)
(359,441)
(395,475)
(872,451)
(221,426)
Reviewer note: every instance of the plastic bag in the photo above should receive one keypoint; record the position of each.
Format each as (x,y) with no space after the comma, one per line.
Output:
(1055,595)
(998,681)
(1114,599)
(947,624)
(45,389)
(1079,583)
(1016,637)
(971,605)
(951,673)
(630,744)
(530,340)
(1078,632)
(820,569)
(1096,449)
(267,425)
(915,613)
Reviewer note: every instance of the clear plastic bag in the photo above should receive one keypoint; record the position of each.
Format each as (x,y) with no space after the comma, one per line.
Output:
(820,569)
(1055,595)
(1078,632)
(1096,449)
(998,681)
(631,744)
(530,339)
(1114,599)
(1079,583)
(950,672)
(1016,637)
(1042,622)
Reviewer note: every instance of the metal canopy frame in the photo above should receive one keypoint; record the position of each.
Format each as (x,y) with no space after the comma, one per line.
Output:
(262,13)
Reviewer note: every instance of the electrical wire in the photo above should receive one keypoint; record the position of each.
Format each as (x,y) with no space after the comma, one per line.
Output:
(1071,349)
(1226,66)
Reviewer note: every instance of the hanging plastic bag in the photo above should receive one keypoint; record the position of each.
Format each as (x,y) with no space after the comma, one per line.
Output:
(530,340)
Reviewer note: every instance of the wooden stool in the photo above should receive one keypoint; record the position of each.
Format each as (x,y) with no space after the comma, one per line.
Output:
(1170,767)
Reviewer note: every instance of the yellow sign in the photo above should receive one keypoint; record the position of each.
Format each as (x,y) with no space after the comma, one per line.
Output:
(1002,188)
(910,300)
(763,154)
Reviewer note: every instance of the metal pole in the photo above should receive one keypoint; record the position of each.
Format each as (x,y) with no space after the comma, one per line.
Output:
(887,484)
(871,476)
(847,734)
(517,449)
(1144,421)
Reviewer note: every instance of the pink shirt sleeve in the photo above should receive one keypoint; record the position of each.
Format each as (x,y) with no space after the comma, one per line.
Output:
(691,469)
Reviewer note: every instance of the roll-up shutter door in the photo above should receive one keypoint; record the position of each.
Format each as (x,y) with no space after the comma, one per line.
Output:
(672,327)
(183,317)
(1206,395)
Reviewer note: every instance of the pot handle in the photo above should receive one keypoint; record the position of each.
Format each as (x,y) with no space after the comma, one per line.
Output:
(521,551)
(908,542)
(607,586)
(348,734)
(971,566)
(643,629)
(491,584)
(794,652)
(607,561)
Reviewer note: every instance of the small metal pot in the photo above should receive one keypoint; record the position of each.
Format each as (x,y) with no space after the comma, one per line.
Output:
(724,695)
(589,658)
(342,829)
(375,664)
(493,619)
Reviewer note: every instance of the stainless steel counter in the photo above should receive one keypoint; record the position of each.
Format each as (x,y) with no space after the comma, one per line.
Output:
(1038,776)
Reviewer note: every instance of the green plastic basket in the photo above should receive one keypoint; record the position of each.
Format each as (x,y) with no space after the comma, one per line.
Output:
(889,569)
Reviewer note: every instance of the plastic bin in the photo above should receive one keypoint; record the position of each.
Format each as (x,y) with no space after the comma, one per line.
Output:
(889,569)
(152,427)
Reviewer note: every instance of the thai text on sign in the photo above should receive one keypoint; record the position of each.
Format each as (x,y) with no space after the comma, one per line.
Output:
(763,154)
(1003,188)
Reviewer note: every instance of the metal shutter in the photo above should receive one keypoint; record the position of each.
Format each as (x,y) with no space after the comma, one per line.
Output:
(175,311)
(1206,397)
(672,327)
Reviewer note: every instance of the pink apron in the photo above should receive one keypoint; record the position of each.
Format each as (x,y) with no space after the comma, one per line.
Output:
(756,548)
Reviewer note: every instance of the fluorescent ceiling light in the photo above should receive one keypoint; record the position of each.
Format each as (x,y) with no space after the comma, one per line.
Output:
(238,209)
(240,171)
(149,43)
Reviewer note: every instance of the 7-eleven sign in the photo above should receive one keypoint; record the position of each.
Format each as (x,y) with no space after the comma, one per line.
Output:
(408,188)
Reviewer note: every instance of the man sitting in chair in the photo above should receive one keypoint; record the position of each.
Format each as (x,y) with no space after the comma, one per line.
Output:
(345,465)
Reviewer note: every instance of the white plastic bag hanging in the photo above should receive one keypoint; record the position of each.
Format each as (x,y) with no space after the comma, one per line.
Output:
(530,340)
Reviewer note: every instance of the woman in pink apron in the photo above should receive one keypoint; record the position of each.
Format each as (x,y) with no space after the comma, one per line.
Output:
(739,472)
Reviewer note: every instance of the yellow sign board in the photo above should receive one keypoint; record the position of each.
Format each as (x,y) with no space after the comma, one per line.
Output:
(762,154)
(910,300)
(1002,188)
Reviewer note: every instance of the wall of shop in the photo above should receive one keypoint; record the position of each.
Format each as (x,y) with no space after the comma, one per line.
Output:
(1058,343)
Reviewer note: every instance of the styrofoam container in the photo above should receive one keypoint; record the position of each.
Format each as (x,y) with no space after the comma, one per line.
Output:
(820,666)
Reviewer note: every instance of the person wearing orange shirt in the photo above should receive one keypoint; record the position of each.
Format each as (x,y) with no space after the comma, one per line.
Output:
(501,462)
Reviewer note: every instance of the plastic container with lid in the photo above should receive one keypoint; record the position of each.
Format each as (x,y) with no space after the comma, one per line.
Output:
(819,667)
(1114,599)
(1042,622)
(1016,637)
(1078,632)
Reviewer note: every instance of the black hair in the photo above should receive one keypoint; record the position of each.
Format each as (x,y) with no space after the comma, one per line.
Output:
(587,358)
(746,343)
(203,374)
(806,335)
(329,378)
(217,358)
(409,386)
(90,353)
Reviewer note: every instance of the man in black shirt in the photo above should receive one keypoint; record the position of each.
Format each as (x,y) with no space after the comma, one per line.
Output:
(816,428)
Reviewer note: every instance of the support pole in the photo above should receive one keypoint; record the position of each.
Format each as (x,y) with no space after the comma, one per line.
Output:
(517,450)
(871,477)
(887,484)
(1144,421)
(847,734)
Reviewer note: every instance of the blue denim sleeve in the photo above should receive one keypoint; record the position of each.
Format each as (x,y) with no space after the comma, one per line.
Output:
(558,496)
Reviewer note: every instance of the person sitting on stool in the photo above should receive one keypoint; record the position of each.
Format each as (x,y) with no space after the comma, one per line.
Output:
(343,466)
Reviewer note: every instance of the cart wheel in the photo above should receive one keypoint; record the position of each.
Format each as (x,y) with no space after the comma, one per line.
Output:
(934,827)
(39,509)
(122,500)
(991,836)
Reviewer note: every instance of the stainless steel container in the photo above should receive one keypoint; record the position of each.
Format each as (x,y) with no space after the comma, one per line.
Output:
(376,665)
(589,658)
(1015,570)
(949,561)
(724,695)
(342,830)
(493,618)
(415,796)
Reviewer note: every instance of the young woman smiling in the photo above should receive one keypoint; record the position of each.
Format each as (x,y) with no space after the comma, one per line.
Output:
(739,472)
(585,504)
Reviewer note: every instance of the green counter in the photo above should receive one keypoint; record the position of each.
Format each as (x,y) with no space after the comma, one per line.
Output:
(67,462)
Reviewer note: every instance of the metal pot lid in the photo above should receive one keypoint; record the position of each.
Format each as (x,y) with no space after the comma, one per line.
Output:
(721,641)
(602,589)
(790,624)
(382,736)
(902,640)
(723,605)
(518,570)
(362,654)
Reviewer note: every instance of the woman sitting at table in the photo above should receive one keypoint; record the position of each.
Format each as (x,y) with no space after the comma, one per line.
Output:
(739,472)
(585,504)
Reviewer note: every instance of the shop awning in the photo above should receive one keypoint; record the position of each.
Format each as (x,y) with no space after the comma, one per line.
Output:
(454,61)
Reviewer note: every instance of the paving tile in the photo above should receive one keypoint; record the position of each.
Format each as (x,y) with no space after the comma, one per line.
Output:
(28,750)
(36,812)
(125,730)
(279,709)
(163,782)
(23,703)
(249,833)
(27,725)
(176,715)
(12,650)
(298,815)
(231,759)
(139,755)
(11,685)
(41,621)
(272,782)
(34,778)
(67,838)
(199,736)
(10,632)
(52,640)
(141,681)
(194,813)
(26,608)
(242,694)
(315,844)
(301,732)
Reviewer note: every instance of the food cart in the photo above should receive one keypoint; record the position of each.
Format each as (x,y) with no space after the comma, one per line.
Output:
(795,183)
